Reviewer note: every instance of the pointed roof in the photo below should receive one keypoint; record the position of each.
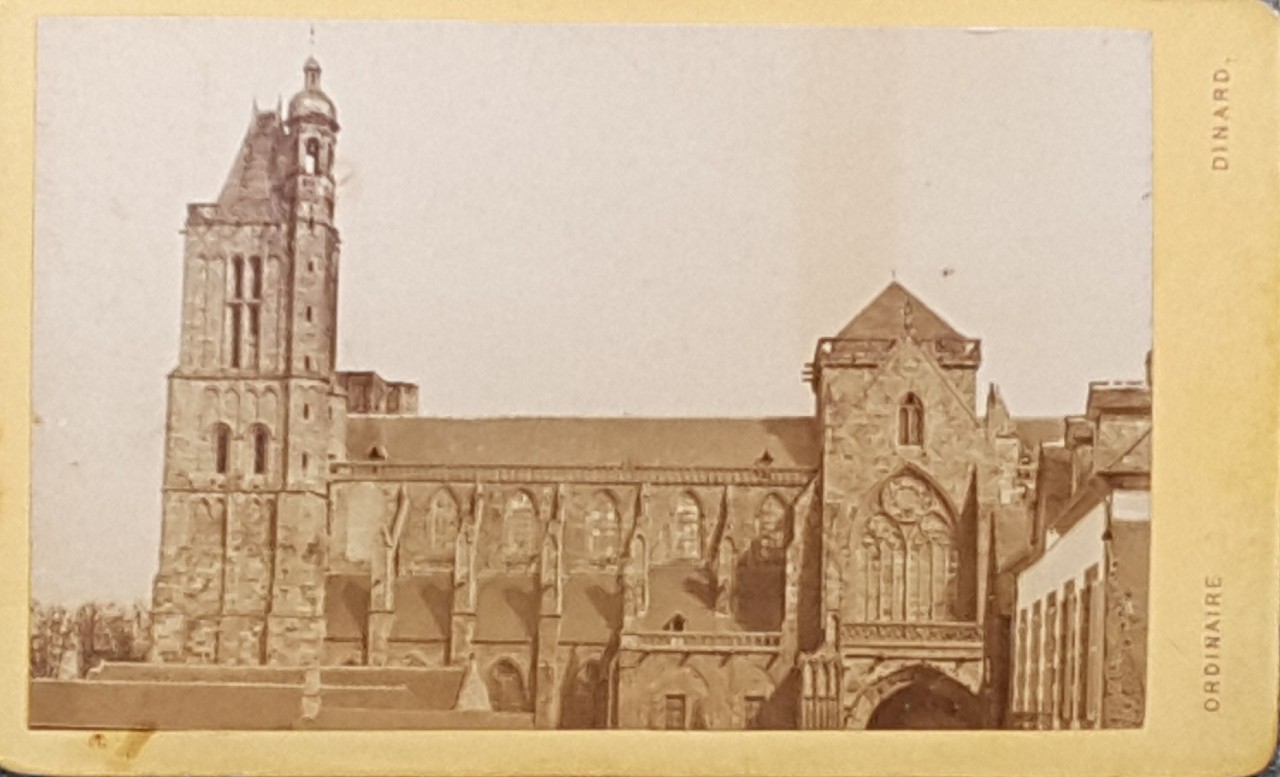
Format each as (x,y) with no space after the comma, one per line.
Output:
(888,316)
(999,422)
(253,186)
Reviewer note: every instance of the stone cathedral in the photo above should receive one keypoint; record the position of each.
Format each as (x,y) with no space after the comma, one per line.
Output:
(837,570)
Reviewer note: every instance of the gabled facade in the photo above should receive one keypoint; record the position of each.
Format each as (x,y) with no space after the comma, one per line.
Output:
(839,570)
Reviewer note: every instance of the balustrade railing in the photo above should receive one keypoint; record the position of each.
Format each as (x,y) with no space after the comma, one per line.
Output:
(866,352)
(380,470)
(703,641)
(852,633)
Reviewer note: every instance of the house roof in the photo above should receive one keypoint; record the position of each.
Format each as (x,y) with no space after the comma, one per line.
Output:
(887,315)
(567,442)
(1090,495)
(1053,482)
(1126,396)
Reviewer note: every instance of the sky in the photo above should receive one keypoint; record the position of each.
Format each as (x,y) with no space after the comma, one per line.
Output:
(582,220)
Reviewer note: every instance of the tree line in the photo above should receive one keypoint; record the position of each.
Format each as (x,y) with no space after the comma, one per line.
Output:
(67,642)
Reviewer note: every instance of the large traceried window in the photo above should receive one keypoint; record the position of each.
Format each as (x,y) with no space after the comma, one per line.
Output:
(911,421)
(687,528)
(519,528)
(430,533)
(602,530)
(771,529)
(907,559)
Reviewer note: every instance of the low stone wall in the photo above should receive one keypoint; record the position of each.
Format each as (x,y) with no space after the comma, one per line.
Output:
(175,697)
(163,706)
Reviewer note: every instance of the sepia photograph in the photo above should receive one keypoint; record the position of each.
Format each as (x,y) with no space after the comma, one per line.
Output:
(396,375)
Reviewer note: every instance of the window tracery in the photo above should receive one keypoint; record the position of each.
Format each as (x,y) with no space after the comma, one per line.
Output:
(687,528)
(519,528)
(602,529)
(907,558)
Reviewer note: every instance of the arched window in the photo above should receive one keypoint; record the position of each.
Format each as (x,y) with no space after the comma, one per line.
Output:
(221,448)
(519,521)
(688,528)
(911,421)
(444,521)
(260,438)
(429,534)
(506,688)
(311,157)
(602,529)
(907,562)
(771,528)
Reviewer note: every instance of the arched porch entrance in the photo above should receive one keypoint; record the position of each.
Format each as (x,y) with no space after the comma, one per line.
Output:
(926,699)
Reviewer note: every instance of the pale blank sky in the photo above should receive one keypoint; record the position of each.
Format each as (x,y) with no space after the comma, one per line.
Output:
(551,219)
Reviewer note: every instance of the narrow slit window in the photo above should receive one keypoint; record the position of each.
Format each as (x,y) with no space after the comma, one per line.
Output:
(259,451)
(237,276)
(235,335)
(221,449)
(255,276)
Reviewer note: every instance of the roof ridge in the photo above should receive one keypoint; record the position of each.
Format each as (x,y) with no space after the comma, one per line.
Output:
(896,311)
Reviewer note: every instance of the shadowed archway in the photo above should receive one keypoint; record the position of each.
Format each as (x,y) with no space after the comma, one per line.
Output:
(928,701)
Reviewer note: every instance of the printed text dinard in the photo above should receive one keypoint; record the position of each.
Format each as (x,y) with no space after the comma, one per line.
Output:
(1220,132)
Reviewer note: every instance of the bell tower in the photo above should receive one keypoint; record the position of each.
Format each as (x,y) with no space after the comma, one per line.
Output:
(253,409)
(895,395)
